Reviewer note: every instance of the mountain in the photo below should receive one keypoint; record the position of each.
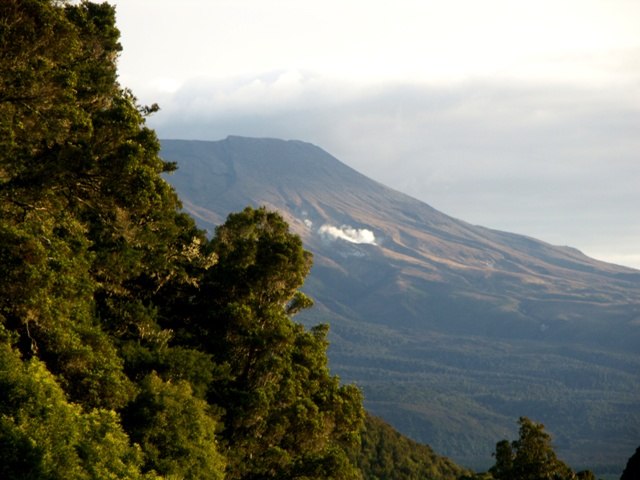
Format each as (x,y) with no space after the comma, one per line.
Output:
(452,330)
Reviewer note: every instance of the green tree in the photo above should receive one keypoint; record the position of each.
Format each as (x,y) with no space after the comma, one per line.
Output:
(177,431)
(44,114)
(90,233)
(504,460)
(43,436)
(531,457)
(387,455)
(585,475)
(286,416)
(91,241)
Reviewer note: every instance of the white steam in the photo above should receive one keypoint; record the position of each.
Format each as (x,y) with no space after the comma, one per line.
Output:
(347,233)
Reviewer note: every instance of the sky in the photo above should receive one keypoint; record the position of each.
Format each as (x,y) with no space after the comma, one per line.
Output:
(522,116)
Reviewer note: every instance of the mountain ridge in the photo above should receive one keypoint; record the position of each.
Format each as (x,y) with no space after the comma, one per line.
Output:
(411,292)
(440,247)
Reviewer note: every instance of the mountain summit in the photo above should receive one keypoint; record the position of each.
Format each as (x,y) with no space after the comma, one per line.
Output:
(452,330)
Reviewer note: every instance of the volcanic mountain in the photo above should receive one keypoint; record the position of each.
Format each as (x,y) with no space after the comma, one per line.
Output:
(452,330)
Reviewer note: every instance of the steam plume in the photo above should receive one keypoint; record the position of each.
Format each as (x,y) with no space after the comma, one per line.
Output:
(348,233)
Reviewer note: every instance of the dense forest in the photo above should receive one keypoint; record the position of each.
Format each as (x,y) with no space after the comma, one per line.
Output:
(131,345)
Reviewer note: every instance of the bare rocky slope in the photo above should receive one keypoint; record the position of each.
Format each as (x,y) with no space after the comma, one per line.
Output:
(452,330)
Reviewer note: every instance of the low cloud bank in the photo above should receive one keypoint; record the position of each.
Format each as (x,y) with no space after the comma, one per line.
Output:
(347,233)
(555,161)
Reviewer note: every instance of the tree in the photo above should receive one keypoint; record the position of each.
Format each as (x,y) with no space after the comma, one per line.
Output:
(130,345)
(531,457)
(43,436)
(386,454)
(632,470)
(585,475)
(46,108)
(90,236)
(286,416)
(504,460)
(177,431)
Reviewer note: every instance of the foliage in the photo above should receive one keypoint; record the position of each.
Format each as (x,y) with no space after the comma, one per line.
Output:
(132,346)
(531,457)
(286,416)
(177,431)
(386,454)
(43,436)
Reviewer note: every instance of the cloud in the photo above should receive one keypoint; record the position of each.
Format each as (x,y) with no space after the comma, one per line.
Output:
(347,233)
(556,161)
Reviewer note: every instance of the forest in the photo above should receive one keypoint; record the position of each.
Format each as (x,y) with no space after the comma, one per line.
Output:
(133,346)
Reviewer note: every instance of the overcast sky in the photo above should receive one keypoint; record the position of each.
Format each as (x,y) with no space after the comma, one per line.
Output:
(516,115)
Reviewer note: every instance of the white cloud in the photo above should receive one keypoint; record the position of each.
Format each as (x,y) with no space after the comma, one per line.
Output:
(347,233)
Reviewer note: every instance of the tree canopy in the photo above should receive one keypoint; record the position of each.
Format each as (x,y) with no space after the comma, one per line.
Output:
(132,346)
(530,457)
(386,454)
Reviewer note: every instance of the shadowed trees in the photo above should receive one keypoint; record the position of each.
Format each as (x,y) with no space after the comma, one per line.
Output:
(285,415)
(530,457)
(632,469)
(127,351)
(386,454)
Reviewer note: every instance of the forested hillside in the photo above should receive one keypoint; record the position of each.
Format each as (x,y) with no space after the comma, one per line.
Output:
(451,330)
(131,345)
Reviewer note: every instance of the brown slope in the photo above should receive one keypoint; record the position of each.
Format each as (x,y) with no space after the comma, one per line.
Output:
(452,330)
(549,287)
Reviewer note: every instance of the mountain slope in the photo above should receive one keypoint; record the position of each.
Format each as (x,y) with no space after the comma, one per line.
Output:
(452,330)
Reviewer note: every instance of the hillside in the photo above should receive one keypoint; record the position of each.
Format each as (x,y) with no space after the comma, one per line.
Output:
(452,330)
